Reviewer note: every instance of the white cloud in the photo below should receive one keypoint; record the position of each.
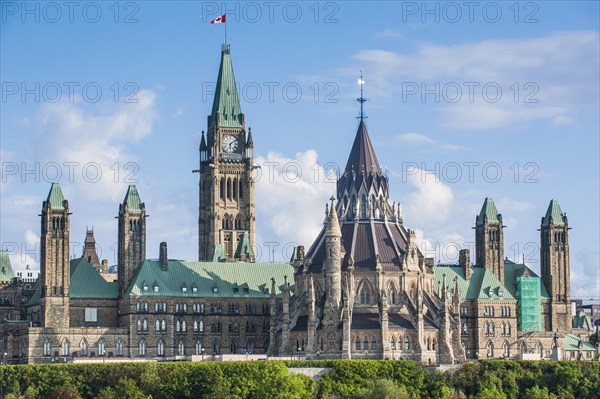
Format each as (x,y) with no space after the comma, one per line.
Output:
(549,78)
(414,138)
(96,142)
(388,33)
(431,202)
(293,193)
(421,139)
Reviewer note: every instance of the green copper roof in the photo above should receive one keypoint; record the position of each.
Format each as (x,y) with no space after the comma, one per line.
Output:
(488,209)
(481,286)
(86,282)
(226,100)
(132,199)
(55,197)
(571,343)
(6,271)
(554,214)
(513,270)
(210,279)
(219,253)
(581,320)
(244,249)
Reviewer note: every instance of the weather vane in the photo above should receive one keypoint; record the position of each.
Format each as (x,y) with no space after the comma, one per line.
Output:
(361,99)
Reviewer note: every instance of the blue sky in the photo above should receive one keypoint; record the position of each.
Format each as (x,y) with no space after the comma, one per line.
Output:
(433,72)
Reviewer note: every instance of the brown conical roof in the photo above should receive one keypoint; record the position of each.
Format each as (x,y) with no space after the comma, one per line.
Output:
(362,157)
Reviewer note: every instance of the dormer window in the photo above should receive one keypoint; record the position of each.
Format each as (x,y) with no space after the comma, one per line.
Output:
(195,290)
(500,292)
(145,287)
(246,290)
(215,290)
(236,289)
(156,288)
(184,288)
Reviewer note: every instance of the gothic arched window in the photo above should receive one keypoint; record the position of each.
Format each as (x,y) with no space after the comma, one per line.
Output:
(160,348)
(365,294)
(65,347)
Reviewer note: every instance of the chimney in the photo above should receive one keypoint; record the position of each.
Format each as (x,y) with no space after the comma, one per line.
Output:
(464,261)
(163,258)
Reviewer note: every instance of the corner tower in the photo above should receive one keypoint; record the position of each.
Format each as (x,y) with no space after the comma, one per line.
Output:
(556,266)
(226,190)
(489,239)
(132,237)
(55,267)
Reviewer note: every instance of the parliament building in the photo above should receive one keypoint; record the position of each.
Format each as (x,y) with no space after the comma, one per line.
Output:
(362,289)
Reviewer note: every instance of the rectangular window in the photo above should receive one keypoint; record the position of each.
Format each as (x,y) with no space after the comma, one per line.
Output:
(91,314)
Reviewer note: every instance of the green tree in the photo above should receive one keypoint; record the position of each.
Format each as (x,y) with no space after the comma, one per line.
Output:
(538,393)
(383,389)
(67,391)
(127,388)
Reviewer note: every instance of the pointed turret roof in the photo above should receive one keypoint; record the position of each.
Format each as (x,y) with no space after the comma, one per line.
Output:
(89,248)
(203,142)
(554,214)
(332,228)
(6,271)
(362,155)
(55,197)
(226,101)
(244,250)
(488,209)
(250,142)
(132,199)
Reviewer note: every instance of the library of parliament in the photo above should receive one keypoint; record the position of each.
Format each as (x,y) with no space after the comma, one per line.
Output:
(363,289)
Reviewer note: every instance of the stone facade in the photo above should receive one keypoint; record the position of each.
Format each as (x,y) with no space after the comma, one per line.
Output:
(363,289)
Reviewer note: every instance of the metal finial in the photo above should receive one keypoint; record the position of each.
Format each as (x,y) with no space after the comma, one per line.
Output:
(361,99)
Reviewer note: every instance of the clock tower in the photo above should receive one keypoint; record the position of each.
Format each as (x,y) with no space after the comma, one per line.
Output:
(226,223)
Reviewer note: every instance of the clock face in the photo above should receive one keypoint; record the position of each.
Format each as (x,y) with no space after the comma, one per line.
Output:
(230,143)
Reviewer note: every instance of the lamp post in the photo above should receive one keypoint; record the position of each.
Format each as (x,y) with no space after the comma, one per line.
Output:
(2,382)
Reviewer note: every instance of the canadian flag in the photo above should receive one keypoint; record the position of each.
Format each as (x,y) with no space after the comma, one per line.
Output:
(219,20)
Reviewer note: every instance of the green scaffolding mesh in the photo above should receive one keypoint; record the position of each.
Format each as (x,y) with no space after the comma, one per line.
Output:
(529,303)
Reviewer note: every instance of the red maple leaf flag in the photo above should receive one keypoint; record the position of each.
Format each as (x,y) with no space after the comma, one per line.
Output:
(219,20)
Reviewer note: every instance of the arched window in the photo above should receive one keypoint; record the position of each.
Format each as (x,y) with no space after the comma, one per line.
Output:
(233,346)
(490,349)
(241,189)
(65,347)
(235,189)
(157,325)
(539,349)
(142,348)
(184,327)
(357,344)
(400,343)
(201,326)
(363,206)
(101,347)
(523,347)
(365,294)
(47,347)
(181,348)
(160,348)
(222,188)
(228,188)
(119,348)
(83,347)
(353,204)
(428,344)
(366,343)
(139,325)
(199,347)
(465,329)
(163,326)
(250,346)
(391,294)
(373,343)
(216,347)
(238,222)
(145,325)
(433,344)
(406,343)
(505,349)
(393,343)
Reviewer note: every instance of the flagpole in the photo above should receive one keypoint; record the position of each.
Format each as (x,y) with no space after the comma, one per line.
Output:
(225,23)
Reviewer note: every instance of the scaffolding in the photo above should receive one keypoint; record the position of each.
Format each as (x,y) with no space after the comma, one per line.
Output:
(529,304)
